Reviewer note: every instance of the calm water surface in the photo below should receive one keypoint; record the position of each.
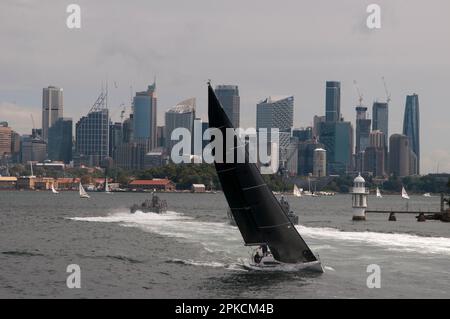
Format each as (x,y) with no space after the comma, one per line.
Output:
(192,252)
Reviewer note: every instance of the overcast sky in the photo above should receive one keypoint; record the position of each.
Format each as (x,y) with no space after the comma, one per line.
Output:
(265,47)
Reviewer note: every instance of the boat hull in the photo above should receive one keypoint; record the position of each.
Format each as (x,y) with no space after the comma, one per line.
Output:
(314,266)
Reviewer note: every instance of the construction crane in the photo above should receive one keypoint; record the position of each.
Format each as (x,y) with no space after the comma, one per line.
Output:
(388,94)
(360,96)
(32,120)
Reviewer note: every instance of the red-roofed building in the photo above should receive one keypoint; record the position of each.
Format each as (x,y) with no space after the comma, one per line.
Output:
(157,184)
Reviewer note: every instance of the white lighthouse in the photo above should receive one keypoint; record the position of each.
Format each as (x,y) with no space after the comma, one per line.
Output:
(359,198)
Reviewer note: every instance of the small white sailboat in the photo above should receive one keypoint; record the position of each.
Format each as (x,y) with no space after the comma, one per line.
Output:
(83,193)
(427,195)
(107,190)
(404,193)
(297,192)
(379,193)
(54,191)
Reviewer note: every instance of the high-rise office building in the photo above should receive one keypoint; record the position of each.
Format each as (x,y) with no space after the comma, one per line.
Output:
(52,108)
(380,119)
(228,96)
(275,112)
(320,162)
(144,120)
(401,156)
(316,125)
(303,134)
(411,126)
(33,149)
(15,147)
(181,115)
(337,138)
(362,136)
(305,163)
(115,138)
(375,155)
(333,101)
(60,140)
(5,139)
(92,133)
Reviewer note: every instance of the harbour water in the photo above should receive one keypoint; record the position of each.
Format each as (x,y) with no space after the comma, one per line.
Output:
(192,251)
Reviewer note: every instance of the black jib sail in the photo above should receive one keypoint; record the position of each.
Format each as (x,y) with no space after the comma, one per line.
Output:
(256,211)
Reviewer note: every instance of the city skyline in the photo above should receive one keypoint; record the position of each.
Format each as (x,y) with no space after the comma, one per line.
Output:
(299,59)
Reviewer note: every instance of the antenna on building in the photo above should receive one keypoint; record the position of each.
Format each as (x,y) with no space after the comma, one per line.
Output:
(360,96)
(388,94)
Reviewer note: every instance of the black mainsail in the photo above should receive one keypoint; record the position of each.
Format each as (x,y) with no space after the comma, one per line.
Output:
(257,213)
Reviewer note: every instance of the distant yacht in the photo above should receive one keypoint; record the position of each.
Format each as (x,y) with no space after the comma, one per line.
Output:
(83,193)
(379,193)
(427,195)
(54,191)
(404,193)
(297,192)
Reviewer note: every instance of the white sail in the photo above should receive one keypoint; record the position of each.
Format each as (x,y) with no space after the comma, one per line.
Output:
(107,190)
(379,193)
(404,194)
(297,192)
(83,193)
(54,191)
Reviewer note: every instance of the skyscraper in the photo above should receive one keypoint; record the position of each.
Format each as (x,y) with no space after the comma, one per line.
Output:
(60,140)
(333,101)
(337,138)
(275,112)
(144,123)
(305,163)
(52,108)
(380,114)
(92,133)
(181,115)
(375,156)
(362,136)
(115,138)
(228,96)
(400,155)
(411,126)
(320,162)
(5,139)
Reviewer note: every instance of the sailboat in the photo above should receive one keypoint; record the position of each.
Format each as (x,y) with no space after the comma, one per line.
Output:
(427,195)
(404,193)
(379,193)
(83,193)
(54,191)
(297,192)
(258,215)
(107,190)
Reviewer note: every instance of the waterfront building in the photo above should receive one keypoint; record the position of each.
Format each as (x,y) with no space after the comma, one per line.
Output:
(153,184)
